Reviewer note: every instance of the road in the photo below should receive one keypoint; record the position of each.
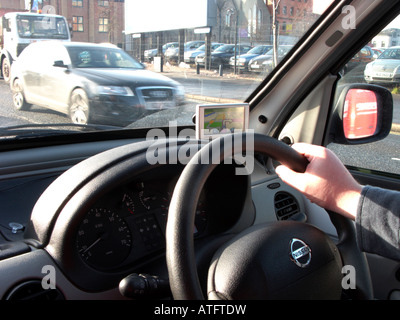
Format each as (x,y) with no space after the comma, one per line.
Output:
(9,116)
(383,155)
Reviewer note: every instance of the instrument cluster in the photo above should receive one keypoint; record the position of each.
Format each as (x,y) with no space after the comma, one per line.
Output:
(129,223)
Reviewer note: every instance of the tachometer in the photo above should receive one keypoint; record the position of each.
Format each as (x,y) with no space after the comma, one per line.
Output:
(103,239)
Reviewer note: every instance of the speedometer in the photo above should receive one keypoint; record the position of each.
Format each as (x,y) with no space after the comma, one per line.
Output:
(104,239)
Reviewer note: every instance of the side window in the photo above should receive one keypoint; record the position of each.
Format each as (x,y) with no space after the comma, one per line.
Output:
(383,70)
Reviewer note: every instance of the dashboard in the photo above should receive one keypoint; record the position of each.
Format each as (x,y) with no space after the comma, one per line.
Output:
(122,230)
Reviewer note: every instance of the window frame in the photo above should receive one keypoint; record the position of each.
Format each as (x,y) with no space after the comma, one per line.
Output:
(77,24)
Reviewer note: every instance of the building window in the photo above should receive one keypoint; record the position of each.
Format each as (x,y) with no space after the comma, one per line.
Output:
(77,3)
(103,3)
(77,24)
(284,11)
(103,24)
(228,20)
(259,19)
(291,11)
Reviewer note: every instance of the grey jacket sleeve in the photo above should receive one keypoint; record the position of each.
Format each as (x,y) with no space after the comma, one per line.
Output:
(378,222)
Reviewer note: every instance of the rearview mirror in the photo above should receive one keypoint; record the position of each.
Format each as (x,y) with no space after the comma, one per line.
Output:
(362,114)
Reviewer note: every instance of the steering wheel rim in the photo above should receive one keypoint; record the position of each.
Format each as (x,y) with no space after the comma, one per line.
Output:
(184,280)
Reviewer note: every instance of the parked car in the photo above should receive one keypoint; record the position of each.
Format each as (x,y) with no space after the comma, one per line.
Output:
(385,69)
(222,55)
(151,53)
(242,61)
(172,54)
(190,56)
(152,215)
(264,62)
(90,83)
(360,60)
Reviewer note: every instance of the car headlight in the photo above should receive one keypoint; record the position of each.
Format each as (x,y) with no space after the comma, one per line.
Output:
(242,59)
(397,70)
(115,91)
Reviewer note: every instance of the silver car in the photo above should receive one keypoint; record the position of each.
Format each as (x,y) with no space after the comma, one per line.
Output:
(264,62)
(385,69)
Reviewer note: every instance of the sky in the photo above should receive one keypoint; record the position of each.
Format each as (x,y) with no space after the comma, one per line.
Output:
(394,24)
(319,6)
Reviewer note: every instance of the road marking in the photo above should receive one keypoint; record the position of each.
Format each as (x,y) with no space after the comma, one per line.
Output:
(396,159)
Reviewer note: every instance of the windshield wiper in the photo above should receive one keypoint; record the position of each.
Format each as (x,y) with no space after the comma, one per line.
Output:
(33,130)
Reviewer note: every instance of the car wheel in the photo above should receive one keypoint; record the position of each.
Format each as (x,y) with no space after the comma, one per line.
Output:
(79,107)
(5,69)
(18,96)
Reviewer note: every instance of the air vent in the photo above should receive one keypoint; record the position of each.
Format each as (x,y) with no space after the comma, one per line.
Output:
(33,290)
(285,205)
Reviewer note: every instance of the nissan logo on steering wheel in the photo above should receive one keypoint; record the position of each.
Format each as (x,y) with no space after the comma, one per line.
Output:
(300,253)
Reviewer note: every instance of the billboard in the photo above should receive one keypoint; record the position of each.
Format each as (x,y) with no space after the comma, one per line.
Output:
(162,15)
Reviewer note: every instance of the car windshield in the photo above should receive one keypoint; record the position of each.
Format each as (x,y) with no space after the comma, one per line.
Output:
(225,48)
(33,27)
(257,50)
(114,85)
(390,54)
(281,51)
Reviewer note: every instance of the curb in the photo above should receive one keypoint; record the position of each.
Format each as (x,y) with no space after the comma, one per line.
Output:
(395,128)
(212,99)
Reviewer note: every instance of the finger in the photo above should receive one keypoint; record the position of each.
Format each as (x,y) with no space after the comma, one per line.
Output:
(310,151)
(287,175)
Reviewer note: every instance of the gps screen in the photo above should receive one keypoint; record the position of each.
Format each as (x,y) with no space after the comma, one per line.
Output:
(214,120)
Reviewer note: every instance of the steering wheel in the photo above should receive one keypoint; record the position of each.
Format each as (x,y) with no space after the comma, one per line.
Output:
(281,260)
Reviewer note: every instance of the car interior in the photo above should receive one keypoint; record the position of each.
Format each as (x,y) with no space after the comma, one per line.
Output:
(90,216)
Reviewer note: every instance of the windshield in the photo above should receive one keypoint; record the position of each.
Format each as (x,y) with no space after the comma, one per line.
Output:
(225,48)
(115,86)
(390,54)
(202,48)
(257,50)
(43,27)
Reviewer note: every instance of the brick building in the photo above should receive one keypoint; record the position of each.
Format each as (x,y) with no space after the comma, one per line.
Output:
(294,17)
(91,20)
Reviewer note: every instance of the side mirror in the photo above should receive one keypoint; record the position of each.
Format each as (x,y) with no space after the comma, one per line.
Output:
(363,113)
(60,64)
(5,24)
